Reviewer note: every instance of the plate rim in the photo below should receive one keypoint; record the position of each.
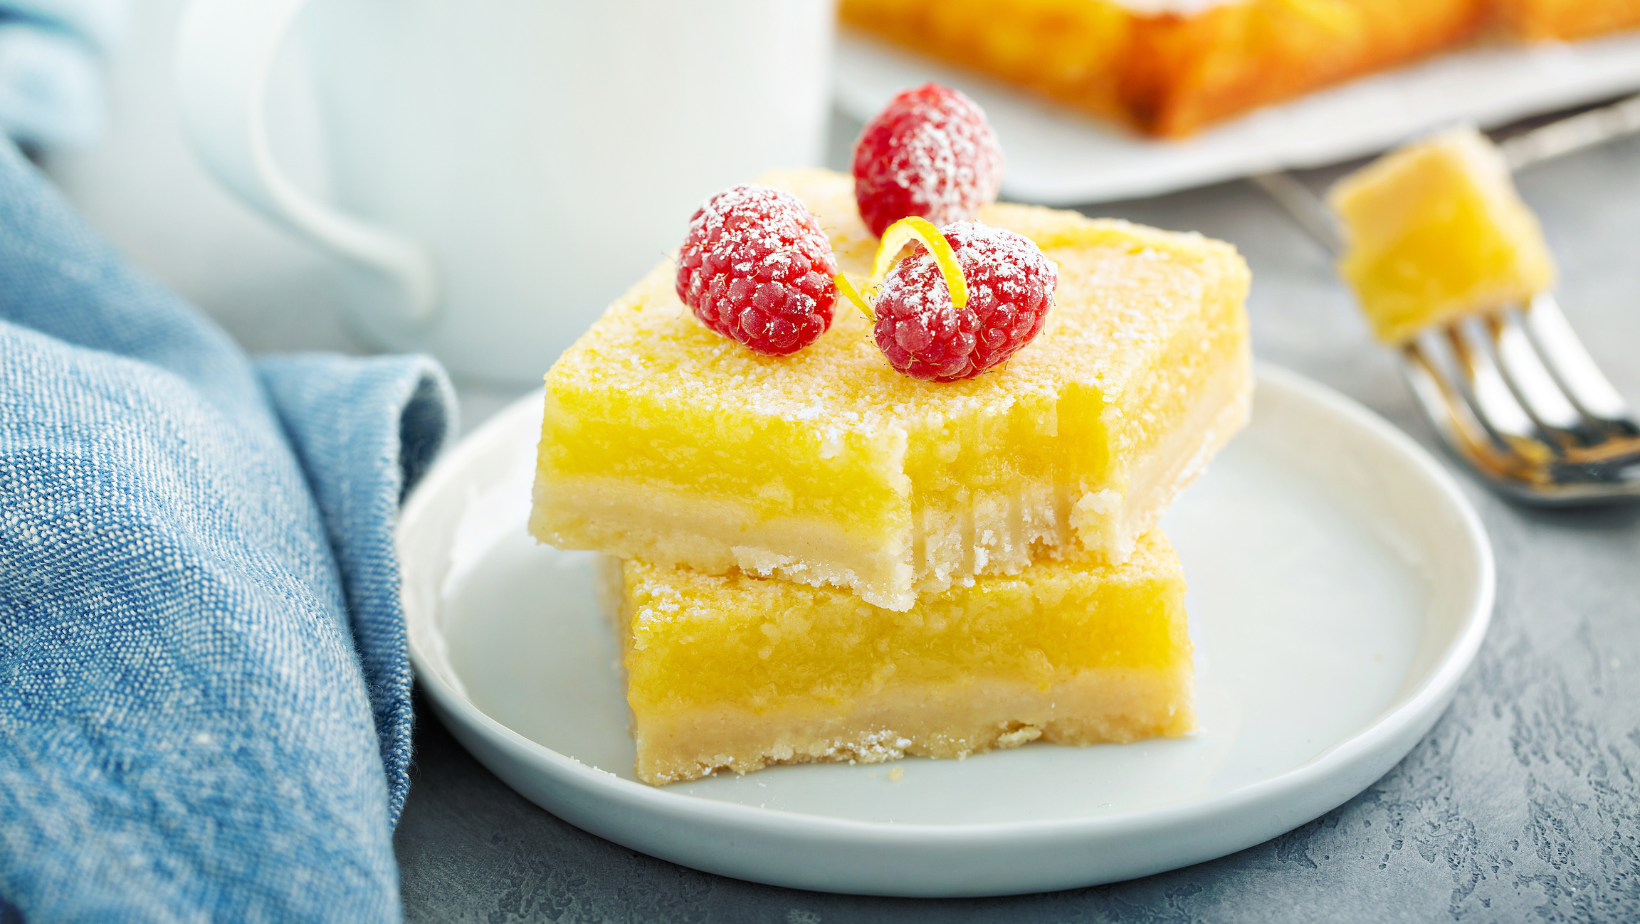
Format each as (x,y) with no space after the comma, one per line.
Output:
(1408,717)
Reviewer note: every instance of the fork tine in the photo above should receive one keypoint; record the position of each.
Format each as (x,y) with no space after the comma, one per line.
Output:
(1520,465)
(1489,395)
(1567,360)
(1534,387)
(1447,407)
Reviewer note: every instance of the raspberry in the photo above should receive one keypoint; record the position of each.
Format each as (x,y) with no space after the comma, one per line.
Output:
(930,153)
(1010,289)
(755,267)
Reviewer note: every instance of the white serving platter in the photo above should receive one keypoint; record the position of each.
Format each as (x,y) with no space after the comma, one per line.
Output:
(1340,584)
(1057,156)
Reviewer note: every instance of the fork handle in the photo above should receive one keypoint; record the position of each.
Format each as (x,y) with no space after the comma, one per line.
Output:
(1573,133)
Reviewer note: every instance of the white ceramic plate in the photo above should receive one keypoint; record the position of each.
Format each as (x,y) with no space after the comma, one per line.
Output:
(1059,157)
(1339,586)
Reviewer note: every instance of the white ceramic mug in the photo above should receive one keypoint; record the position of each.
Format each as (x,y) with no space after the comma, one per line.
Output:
(502,169)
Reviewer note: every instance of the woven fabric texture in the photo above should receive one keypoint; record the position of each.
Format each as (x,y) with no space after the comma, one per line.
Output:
(204,686)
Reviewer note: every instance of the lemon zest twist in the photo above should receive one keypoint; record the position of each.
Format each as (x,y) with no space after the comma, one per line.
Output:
(898,235)
(862,295)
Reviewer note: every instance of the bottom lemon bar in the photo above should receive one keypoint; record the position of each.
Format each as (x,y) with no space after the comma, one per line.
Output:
(732,672)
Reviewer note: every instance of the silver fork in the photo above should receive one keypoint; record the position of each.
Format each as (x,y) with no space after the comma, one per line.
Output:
(1515,394)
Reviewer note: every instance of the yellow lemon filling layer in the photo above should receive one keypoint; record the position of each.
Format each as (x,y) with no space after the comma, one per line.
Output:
(666,442)
(1435,231)
(736,672)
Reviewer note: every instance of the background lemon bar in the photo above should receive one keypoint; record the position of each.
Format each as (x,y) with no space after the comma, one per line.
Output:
(1436,230)
(1568,19)
(666,442)
(736,672)
(1169,71)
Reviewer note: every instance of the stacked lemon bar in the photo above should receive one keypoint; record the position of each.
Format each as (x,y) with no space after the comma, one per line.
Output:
(815,557)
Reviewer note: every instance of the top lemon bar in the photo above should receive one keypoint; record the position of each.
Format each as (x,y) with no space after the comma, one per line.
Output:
(665,442)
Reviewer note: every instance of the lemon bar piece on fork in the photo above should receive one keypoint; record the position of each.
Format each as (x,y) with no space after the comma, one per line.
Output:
(666,442)
(732,672)
(1435,231)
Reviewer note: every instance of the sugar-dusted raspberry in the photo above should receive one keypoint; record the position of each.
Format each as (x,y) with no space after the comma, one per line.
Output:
(1010,289)
(931,154)
(756,267)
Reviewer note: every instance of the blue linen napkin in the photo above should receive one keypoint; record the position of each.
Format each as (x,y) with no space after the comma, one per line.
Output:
(204,689)
(51,92)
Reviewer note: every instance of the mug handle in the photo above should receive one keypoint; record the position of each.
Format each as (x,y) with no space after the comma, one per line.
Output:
(224,57)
